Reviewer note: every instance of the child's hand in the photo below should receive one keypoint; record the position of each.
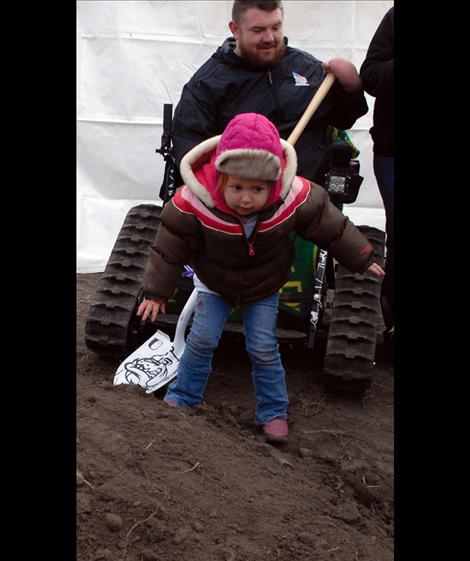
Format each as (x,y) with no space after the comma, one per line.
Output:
(151,308)
(376,270)
(345,73)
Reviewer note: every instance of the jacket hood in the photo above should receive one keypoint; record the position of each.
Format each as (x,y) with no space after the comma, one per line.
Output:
(199,172)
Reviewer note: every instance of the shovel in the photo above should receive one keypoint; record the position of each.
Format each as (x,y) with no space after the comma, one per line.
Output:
(155,362)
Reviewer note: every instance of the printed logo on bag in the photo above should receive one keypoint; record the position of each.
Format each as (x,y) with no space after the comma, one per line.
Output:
(299,79)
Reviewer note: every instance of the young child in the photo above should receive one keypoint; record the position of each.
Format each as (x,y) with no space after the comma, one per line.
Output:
(231,223)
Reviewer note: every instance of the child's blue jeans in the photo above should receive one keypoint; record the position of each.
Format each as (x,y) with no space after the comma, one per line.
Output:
(211,313)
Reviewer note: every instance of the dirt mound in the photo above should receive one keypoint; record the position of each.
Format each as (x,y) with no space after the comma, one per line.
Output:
(155,483)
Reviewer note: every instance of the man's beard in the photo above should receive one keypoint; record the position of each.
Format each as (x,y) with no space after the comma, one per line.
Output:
(258,64)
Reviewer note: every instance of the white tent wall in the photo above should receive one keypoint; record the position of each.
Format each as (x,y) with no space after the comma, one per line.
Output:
(134,56)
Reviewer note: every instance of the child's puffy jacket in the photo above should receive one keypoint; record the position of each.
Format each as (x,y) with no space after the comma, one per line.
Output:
(198,229)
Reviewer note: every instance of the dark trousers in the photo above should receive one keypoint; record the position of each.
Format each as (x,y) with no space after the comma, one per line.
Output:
(384,171)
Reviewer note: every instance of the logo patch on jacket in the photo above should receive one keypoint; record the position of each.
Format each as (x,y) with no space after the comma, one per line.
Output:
(299,79)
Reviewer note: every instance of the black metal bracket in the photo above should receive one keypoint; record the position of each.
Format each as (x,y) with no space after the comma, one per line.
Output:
(168,187)
(319,297)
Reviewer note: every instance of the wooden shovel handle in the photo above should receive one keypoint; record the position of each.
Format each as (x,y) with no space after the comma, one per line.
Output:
(312,107)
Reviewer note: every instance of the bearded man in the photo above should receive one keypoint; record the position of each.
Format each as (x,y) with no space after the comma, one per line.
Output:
(256,70)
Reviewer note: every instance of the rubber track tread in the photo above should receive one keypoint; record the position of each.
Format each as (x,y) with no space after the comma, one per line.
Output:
(107,326)
(352,335)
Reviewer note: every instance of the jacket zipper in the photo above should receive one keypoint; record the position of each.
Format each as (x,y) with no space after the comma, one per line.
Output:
(251,244)
(279,109)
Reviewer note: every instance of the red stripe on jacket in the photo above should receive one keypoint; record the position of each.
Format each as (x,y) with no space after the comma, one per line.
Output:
(297,195)
(188,203)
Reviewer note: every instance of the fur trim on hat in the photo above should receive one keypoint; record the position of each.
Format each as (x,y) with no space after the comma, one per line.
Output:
(187,174)
(290,168)
(249,163)
(204,149)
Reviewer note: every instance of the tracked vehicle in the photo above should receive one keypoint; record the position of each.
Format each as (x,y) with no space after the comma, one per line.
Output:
(322,301)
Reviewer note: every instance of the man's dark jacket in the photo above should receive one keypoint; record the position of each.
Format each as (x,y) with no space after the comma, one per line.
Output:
(226,85)
(377,78)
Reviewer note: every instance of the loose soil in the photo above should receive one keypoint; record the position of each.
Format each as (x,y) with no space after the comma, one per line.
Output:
(160,484)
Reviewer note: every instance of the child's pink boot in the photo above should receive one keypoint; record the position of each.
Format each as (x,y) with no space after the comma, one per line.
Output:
(276,431)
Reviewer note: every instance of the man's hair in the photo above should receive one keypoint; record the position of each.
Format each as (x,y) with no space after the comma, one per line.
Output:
(241,6)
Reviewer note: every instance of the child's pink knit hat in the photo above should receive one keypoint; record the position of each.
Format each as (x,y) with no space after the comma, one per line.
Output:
(250,147)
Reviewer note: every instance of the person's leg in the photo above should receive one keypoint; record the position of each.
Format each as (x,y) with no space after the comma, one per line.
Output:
(388,289)
(260,320)
(384,170)
(385,174)
(210,314)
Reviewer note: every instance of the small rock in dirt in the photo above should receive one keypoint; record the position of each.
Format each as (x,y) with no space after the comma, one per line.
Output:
(305,537)
(264,449)
(229,555)
(183,424)
(148,555)
(180,535)
(103,555)
(162,513)
(321,542)
(83,503)
(305,452)
(162,414)
(107,491)
(282,459)
(198,526)
(213,514)
(157,530)
(237,528)
(327,452)
(197,538)
(353,465)
(136,503)
(347,512)
(113,522)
